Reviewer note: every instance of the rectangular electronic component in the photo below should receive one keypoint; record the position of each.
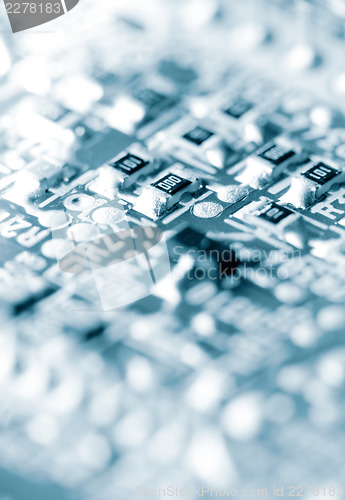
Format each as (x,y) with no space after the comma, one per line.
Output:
(274,213)
(129,164)
(321,173)
(204,145)
(238,108)
(277,220)
(171,184)
(277,154)
(123,171)
(33,182)
(267,164)
(311,185)
(200,144)
(160,196)
(198,135)
(150,97)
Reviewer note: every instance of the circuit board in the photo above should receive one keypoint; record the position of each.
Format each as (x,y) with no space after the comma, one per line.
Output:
(172,224)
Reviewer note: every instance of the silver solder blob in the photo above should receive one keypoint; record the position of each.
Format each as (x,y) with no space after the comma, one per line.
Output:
(232,194)
(207,210)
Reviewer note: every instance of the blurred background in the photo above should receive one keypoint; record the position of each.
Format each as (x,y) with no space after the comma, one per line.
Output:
(239,388)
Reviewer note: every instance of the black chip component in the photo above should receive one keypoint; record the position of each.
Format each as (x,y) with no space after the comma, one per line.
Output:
(95,332)
(31,300)
(129,164)
(276,154)
(198,135)
(275,213)
(321,173)
(238,108)
(171,184)
(150,98)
